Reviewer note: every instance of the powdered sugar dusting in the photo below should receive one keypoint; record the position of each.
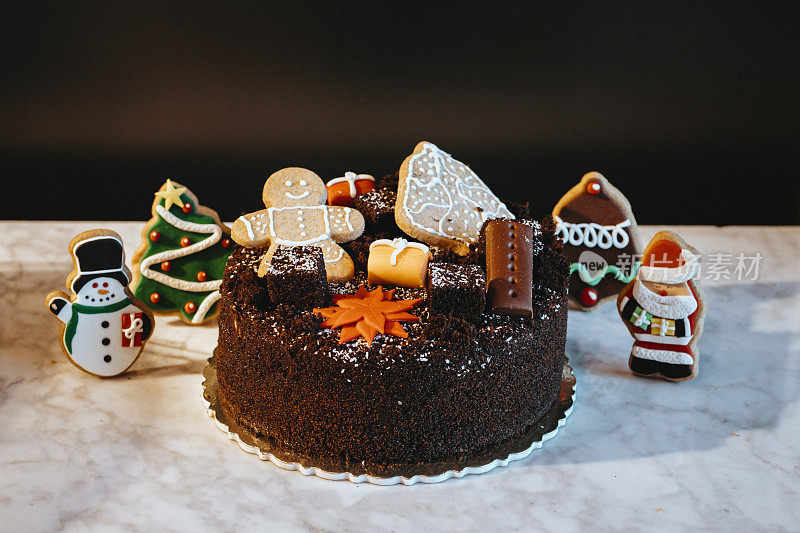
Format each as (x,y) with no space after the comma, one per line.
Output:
(449,275)
(300,258)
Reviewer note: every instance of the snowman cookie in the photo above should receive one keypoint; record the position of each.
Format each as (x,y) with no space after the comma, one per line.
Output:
(442,202)
(296,215)
(104,328)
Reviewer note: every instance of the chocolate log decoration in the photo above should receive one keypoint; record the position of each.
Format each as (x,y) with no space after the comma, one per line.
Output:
(509,267)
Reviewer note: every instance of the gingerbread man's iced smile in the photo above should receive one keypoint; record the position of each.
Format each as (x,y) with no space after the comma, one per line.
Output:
(294,190)
(296,196)
(301,183)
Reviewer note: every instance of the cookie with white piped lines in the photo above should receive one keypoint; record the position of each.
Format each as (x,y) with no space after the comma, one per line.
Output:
(296,215)
(601,241)
(442,202)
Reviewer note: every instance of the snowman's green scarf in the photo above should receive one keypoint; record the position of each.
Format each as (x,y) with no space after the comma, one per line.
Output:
(78,310)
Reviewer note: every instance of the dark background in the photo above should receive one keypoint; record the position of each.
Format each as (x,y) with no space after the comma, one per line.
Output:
(691,109)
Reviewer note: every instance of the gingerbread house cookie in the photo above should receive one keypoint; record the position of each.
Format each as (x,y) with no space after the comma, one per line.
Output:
(601,240)
(442,202)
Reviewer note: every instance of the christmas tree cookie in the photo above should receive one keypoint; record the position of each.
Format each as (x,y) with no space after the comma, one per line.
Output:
(601,240)
(183,253)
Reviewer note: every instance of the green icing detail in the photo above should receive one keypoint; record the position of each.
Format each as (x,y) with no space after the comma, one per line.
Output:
(192,216)
(587,278)
(212,261)
(642,317)
(78,309)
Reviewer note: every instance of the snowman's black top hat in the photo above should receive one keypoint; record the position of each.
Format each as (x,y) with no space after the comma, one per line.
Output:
(99,257)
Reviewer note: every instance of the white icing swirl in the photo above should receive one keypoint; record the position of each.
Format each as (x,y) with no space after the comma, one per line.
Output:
(591,234)
(185,285)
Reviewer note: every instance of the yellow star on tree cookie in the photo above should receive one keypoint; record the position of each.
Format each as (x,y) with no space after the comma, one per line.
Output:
(171,194)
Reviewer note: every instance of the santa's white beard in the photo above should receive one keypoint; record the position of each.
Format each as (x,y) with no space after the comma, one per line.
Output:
(673,307)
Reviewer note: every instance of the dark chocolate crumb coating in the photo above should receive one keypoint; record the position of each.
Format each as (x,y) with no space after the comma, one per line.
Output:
(458,290)
(453,390)
(377,207)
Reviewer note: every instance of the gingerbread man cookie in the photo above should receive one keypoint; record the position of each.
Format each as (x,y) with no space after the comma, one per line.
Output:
(442,202)
(296,215)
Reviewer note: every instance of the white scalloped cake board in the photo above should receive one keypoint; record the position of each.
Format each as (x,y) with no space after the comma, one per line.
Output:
(395,480)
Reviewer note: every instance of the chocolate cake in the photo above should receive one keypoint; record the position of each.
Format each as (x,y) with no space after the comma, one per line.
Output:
(461,389)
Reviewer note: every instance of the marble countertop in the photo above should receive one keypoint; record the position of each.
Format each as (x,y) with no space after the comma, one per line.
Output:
(719,452)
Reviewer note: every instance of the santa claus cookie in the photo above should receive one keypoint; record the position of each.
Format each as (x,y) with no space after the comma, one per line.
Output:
(296,215)
(663,309)
(104,328)
(601,240)
(441,201)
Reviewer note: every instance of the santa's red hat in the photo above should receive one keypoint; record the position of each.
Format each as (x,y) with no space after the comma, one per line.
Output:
(666,262)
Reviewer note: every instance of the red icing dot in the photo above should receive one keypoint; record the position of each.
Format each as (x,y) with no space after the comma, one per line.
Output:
(588,297)
(186,241)
(155,297)
(165,266)
(225,243)
(187,207)
(593,188)
(154,236)
(190,307)
(202,276)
